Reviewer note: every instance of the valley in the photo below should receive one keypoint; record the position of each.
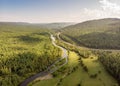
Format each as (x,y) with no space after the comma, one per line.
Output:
(95,75)
(59,42)
(31,55)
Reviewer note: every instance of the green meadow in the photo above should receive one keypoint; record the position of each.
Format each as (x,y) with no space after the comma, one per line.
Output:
(79,76)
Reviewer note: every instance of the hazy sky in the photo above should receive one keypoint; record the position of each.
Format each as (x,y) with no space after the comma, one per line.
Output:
(37,11)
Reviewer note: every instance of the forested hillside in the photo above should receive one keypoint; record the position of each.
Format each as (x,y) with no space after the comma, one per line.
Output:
(103,33)
(24,50)
(111,61)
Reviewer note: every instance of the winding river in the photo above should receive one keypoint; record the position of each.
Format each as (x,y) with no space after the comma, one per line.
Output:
(48,71)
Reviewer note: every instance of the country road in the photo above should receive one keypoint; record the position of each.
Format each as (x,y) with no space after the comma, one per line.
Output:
(58,35)
(48,70)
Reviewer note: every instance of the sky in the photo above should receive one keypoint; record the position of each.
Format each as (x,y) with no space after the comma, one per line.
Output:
(47,11)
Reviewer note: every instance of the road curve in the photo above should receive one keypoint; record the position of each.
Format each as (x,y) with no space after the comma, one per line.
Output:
(46,72)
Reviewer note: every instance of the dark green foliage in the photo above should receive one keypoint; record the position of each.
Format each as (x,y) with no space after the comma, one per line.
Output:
(93,76)
(85,68)
(100,40)
(111,61)
(24,51)
(99,71)
(104,34)
(10,80)
(67,39)
(79,85)
(29,39)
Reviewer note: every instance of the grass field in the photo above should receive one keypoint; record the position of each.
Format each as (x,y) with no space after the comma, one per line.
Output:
(80,77)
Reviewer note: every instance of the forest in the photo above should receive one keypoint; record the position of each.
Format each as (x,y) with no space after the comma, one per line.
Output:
(24,52)
(111,61)
(99,34)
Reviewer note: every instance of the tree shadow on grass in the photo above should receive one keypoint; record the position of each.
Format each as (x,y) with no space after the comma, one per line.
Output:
(29,39)
(42,33)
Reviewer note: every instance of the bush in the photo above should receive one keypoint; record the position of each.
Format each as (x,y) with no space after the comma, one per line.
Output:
(93,76)
(85,68)
(79,85)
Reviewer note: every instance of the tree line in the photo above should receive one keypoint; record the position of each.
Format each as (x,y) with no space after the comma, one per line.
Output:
(111,62)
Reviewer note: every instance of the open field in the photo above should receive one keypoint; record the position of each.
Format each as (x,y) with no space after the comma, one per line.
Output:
(80,77)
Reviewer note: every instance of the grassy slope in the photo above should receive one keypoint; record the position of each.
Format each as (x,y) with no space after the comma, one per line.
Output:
(103,78)
(80,76)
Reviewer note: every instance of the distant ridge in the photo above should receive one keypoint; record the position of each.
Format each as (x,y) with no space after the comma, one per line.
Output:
(57,25)
(93,22)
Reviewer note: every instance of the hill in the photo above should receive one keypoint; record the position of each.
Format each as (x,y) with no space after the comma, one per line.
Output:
(41,25)
(102,33)
(58,25)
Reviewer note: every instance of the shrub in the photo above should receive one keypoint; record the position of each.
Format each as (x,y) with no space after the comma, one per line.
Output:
(85,68)
(93,76)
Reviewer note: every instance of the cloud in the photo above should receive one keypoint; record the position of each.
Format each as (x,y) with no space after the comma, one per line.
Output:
(107,9)
(109,6)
